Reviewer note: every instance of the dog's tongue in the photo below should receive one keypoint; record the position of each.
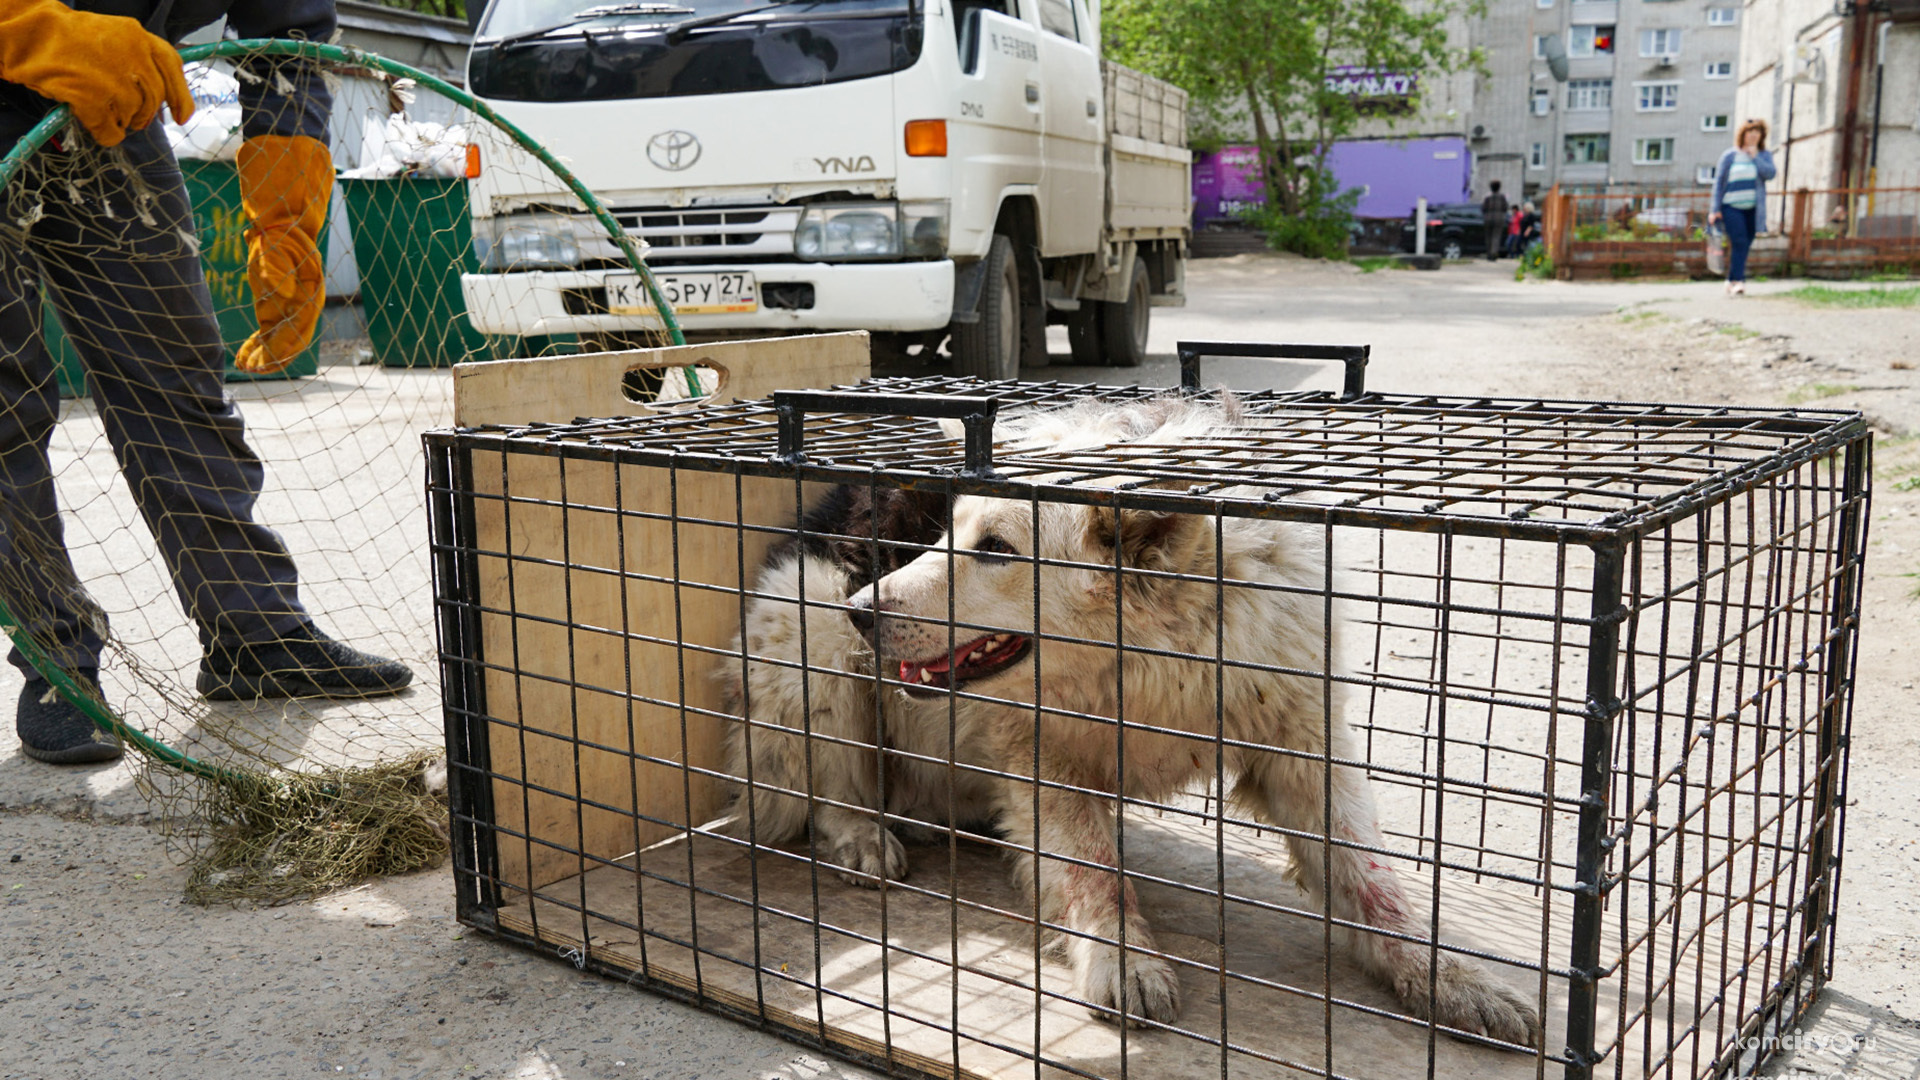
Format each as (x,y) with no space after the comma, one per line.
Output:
(910,671)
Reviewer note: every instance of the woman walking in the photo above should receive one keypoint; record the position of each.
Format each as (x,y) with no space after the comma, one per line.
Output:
(1740,198)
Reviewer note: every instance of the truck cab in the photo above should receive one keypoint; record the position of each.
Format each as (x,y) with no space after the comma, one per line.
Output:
(934,171)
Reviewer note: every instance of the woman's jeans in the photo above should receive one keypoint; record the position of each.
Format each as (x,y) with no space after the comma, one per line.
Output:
(1739,223)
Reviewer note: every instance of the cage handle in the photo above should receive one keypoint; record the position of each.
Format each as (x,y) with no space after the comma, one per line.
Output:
(1354,356)
(974,412)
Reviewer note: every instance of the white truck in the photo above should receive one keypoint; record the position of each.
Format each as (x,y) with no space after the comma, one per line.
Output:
(934,171)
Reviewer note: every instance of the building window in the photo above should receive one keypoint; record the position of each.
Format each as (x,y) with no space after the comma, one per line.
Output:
(1543,3)
(1660,42)
(1542,102)
(1715,122)
(1653,151)
(1537,156)
(1540,45)
(1703,174)
(1583,41)
(1588,149)
(1722,16)
(1588,95)
(1720,69)
(1656,97)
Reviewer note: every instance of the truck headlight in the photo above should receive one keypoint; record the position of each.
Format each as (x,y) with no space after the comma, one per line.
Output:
(923,228)
(534,242)
(872,230)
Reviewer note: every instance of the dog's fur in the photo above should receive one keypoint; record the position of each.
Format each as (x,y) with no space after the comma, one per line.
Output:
(985,563)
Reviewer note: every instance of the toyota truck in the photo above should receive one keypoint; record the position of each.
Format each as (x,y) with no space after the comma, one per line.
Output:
(942,173)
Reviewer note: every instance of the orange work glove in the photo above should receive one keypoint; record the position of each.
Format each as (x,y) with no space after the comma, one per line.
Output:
(110,71)
(285,182)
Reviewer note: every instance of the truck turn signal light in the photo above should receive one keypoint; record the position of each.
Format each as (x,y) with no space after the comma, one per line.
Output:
(926,138)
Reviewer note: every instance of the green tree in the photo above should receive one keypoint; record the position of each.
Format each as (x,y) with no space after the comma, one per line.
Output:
(1264,65)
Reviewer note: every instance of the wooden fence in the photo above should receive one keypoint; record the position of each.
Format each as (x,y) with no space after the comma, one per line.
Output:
(1832,232)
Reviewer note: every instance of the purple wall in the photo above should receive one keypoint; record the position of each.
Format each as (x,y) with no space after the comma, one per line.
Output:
(1391,174)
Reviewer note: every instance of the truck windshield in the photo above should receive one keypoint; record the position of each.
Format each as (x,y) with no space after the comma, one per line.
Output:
(576,50)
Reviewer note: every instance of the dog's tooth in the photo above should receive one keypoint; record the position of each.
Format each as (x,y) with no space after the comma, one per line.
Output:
(926,676)
(991,644)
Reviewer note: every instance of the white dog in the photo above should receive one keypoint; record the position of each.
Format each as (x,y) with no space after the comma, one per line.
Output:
(973,613)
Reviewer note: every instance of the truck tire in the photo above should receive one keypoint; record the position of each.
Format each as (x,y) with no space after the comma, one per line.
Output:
(990,347)
(1123,326)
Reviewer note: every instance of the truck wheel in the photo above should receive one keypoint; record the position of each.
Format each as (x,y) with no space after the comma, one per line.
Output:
(1083,335)
(1123,326)
(990,347)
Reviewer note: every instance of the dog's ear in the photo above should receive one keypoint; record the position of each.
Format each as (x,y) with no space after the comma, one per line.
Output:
(1147,539)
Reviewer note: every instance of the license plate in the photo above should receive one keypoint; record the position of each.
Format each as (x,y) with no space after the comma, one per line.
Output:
(688,294)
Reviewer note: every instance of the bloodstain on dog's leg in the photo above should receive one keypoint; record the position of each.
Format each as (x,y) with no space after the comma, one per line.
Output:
(1084,895)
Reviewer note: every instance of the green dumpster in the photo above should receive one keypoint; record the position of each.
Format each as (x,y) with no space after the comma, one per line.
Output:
(412,239)
(214,188)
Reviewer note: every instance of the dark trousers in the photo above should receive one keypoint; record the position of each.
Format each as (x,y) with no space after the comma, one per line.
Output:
(123,272)
(1496,232)
(1739,223)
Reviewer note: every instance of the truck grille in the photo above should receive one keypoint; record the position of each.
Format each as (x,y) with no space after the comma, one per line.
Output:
(713,233)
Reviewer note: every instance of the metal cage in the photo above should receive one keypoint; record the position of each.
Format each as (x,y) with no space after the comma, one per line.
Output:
(1596,661)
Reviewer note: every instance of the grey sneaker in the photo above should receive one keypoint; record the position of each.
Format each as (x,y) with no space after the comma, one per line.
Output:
(54,730)
(304,663)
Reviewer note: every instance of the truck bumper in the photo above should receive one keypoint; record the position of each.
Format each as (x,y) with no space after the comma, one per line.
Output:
(856,296)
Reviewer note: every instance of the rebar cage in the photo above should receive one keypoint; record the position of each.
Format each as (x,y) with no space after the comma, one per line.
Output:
(1596,661)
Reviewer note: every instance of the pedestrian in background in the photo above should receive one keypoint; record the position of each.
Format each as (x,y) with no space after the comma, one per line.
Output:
(1493,215)
(1740,198)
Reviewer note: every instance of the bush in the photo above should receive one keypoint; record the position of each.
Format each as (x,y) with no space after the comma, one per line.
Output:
(1322,231)
(1534,263)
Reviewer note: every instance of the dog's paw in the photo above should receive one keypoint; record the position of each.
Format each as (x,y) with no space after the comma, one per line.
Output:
(1468,997)
(867,853)
(1150,989)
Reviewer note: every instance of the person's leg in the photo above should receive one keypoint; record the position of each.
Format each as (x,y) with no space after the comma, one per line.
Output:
(152,347)
(129,286)
(1493,240)
(36,575)
(40,584)
(1739,225)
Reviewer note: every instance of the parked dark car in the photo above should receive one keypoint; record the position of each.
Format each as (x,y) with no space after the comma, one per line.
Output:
(1454,231)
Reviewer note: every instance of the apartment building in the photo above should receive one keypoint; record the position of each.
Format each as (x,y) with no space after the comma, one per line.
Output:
(1649,95)
(1840,84)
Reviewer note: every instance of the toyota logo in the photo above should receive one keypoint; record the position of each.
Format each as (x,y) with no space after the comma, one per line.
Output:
(674,150)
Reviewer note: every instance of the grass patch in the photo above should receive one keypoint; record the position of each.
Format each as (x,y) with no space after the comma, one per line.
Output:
(1742,333)
(1827,296)
(1816,391)
(1369,263)
(1645,317)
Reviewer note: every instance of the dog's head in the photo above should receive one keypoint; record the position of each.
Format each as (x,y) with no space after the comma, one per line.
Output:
(967,612)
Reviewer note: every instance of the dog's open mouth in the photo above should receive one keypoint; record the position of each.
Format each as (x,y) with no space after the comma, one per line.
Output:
(973,660)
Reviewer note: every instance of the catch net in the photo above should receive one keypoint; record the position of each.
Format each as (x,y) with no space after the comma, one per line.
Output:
(181,526)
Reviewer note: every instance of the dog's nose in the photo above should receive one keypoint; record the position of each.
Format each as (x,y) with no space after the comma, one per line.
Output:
(860,610)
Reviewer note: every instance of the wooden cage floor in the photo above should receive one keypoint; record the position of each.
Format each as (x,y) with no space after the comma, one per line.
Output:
(899,1006)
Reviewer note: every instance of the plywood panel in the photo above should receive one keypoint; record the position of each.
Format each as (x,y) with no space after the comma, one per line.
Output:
(589,581)
(776,940)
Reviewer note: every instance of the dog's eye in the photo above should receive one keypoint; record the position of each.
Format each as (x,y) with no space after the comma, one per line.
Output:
(993,549)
